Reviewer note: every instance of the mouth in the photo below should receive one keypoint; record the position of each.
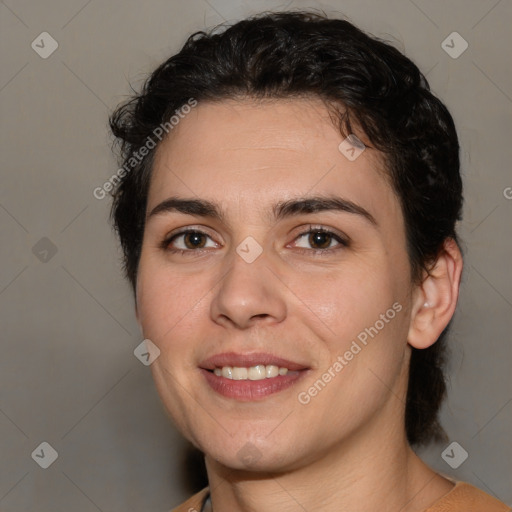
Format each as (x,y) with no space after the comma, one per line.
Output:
(248,377)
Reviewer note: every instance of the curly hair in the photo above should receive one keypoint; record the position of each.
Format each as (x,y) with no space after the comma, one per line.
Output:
(364,82)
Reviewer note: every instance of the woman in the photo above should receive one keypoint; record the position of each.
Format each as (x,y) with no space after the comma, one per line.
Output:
(287,212)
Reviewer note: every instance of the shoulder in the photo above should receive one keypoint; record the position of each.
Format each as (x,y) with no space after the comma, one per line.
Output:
(467,498)
(462,498)
(193,504)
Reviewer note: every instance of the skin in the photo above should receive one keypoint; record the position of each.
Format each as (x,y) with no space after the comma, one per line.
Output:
(346,449)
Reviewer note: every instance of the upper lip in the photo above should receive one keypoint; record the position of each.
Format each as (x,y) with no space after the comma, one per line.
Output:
(248,360)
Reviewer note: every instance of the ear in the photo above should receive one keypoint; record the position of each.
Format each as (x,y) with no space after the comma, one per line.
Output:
(435,299)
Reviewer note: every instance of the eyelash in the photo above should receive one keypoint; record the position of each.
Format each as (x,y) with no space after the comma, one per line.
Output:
(343,242)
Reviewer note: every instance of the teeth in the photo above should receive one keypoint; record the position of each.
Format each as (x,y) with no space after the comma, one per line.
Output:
(239,373)
(271,371)
(226,372)
(258,372)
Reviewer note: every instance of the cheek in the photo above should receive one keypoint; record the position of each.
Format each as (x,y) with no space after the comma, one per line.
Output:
(359,315)
(348,299)
(166,301)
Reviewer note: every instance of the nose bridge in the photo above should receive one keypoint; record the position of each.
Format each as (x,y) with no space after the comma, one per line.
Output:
(248,291)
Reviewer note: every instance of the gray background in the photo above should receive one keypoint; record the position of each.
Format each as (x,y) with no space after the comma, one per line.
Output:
(68,375)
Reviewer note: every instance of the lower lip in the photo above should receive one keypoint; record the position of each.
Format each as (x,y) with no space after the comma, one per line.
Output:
(251,390)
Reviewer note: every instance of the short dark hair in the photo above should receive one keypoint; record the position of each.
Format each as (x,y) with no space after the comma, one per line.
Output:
(366,83)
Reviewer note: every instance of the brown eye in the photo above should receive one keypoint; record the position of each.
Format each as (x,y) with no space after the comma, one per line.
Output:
(194,240)
(188,241)
(320,240)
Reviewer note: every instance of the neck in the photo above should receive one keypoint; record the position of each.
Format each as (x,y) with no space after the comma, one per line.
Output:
(365,472)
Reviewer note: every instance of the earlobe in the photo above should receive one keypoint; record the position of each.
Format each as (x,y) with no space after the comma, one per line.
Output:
(436,297)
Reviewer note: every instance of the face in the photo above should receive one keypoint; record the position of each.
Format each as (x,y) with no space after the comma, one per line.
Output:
(267,249)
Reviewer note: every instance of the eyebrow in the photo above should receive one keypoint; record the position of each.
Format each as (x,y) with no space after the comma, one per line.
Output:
(280,211)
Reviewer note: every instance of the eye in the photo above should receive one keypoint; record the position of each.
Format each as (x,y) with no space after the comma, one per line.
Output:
(188,241)
(315,240)
(320,240)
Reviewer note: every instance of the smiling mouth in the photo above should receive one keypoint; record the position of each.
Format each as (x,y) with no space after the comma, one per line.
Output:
(247,390)
(250,377)
(258,372)
(252,383)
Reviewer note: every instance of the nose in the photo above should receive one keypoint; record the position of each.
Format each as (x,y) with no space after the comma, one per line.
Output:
(248,294)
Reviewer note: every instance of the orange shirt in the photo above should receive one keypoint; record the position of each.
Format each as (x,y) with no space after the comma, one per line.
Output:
(462,498)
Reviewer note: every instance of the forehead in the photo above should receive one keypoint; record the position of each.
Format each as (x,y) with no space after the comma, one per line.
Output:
(249,153)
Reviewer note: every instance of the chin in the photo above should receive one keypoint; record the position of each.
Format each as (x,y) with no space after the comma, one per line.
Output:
(258,456)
